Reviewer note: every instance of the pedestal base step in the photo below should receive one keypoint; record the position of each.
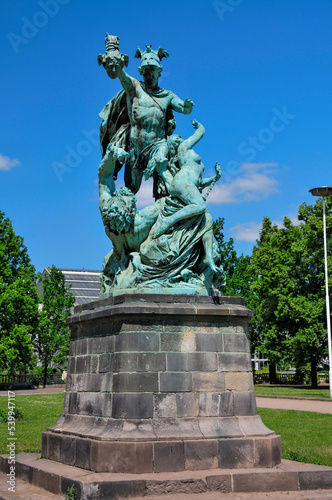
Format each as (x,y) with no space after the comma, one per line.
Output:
(57,478)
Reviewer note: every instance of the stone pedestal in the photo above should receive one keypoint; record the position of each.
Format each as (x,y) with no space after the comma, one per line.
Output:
(160,383)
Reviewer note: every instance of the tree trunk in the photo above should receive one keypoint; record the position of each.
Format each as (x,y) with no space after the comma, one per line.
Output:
(314,383)
(45,374)
(272,373)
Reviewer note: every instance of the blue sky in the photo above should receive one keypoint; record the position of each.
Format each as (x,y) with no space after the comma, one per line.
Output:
(260,75)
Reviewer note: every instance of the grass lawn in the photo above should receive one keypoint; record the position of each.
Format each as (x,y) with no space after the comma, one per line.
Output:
(39,412)
(306,436)
(298,392)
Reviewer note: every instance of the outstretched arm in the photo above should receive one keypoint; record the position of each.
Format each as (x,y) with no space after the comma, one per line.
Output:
(180,106)
(207,181)
(128,82)
(106,171)
(193,139)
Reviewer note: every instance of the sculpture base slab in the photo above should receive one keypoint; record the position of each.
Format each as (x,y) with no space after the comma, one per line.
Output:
(160,383)
(57,478)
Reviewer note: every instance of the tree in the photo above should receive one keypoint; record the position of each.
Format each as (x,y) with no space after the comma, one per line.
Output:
(239,274)
(288,263)
(18,300)
(226,251)
(309,342)
(51,339)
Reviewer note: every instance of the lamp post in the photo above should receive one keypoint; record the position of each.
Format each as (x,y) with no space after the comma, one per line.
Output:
(325,191)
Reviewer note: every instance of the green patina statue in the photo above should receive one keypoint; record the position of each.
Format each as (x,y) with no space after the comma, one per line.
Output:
(167,247)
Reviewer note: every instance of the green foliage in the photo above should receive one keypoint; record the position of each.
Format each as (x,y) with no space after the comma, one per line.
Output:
(295,392)
(290,307)
(226,251)
(40,412)
(306,436)
(283,282)
(18,415)
(239,274)
(18,300)
(71,493)
(51,339)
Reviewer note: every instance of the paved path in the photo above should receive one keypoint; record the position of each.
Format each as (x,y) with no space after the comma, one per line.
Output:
(273,495)
(316,405)
(35,392)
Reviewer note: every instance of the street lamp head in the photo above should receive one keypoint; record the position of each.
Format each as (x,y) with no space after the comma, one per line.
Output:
(321,191)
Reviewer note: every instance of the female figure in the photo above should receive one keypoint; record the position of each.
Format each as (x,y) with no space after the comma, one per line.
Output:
(187,185)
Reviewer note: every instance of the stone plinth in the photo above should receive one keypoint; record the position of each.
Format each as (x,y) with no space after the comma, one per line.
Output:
(160,383)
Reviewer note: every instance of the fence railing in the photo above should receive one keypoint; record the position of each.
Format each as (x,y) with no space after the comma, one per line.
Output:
(34,379)
(288,378)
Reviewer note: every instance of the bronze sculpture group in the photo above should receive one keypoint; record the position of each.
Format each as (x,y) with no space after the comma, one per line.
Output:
(167,247)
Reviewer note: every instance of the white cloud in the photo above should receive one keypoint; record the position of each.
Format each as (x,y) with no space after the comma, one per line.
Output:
(7,163)
(247,231)
(255,182)
(144,195)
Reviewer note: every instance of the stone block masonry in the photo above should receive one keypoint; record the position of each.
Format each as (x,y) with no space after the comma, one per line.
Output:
(160,383)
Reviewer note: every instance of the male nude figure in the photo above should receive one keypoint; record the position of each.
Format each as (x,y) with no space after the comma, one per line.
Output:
(149,109)
(126,227)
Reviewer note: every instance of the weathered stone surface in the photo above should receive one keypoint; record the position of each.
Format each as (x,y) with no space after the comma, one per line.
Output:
(83,454)
(208,382)
(164,405)
(274,481)
(132,405)
(82,364)
(68,450)
(236,453)
(315,480)
(187,404)
(175,378)
(95,382)
(239,381)
(81,347)
(135,382)
(178,342)
(175,486)
(52,444)
(201,454)
(98,345)
(290,476)
(209,404)
(227,428)
(245,403)
(139,362)
(227,404)
(71,364)
(263,452)
(235,342)
(222,483)
(94,364)
(105,362)
(198,362)
(73,403)
(122,457)
(210,342)
(175,382)
(133,342)
(41,478)
(234,362)
(91,403)
(169,456)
